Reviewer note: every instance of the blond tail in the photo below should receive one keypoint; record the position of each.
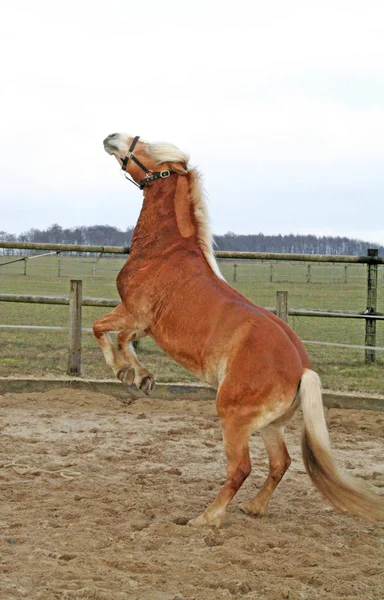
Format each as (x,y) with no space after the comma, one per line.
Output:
(341,490)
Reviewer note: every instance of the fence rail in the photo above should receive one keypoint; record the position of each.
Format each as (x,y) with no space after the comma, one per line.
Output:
(266,256)
(109,302)
(61,300)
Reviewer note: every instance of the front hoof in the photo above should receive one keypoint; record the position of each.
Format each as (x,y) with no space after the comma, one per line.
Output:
(126,375)
(147,385)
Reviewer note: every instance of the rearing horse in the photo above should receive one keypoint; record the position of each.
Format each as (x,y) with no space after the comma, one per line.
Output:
(171,290)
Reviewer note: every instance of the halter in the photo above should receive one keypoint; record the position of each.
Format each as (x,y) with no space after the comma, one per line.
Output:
(154,174)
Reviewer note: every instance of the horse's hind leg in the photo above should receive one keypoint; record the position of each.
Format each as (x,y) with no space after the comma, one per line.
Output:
(279,461)
(236,436)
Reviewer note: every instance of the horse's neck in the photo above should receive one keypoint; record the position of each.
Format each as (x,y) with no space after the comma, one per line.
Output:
(166,217)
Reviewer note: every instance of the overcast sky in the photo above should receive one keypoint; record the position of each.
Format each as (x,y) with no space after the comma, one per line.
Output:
(280,104)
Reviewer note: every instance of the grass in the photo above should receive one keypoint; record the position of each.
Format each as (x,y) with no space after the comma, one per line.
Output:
(323,286)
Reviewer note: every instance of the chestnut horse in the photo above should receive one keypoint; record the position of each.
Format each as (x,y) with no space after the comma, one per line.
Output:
(171,290)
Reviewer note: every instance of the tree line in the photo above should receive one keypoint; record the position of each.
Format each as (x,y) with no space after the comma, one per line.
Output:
(95,235)
(295,244)
(106,235)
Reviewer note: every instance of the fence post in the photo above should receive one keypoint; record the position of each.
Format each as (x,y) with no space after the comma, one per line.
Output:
(282,305)
(75,302)
(308,273)
(58,265)
(25,265)
(370,324)
(271,273)
(234,272)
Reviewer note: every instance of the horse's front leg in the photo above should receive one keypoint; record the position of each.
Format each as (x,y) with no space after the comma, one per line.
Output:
(143,379)
(123,362)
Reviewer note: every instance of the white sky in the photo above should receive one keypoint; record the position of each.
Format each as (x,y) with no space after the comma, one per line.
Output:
(280,104)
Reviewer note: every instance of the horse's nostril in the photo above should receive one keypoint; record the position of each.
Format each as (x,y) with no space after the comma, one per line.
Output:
(109,138)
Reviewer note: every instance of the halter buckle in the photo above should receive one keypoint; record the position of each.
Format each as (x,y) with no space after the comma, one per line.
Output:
(164,174)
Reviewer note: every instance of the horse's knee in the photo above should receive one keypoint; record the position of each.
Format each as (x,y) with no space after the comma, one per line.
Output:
(97,331)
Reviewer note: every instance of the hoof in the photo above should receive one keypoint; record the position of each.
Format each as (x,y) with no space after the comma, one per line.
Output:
(147,385)
(247,509)
(202,521)
(198,522)
(126,375)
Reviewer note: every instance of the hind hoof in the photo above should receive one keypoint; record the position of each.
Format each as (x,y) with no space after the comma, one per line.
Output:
(248,509)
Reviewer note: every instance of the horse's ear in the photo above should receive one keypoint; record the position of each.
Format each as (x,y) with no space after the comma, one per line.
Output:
(179,167)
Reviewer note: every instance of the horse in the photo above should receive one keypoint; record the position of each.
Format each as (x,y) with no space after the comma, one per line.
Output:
(171,289)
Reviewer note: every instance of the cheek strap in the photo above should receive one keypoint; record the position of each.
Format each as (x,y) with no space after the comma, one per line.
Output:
(154,175)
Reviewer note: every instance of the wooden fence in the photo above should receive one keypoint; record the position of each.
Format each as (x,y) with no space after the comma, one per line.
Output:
(76,301)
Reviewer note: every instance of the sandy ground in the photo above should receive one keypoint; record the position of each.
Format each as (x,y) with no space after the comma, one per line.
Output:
(97,506)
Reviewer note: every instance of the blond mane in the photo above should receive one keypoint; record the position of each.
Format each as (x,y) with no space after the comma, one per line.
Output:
(163,152)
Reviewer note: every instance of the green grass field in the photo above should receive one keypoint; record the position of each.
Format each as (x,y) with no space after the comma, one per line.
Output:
(320,286)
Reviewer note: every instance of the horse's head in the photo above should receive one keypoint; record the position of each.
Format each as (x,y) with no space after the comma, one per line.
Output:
(143,160)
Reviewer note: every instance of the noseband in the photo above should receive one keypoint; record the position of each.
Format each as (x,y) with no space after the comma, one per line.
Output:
(153,174)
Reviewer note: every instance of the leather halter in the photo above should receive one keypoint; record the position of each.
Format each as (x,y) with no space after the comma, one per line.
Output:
(154,174)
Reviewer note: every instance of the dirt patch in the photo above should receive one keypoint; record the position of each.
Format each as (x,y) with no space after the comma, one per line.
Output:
(95,497)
